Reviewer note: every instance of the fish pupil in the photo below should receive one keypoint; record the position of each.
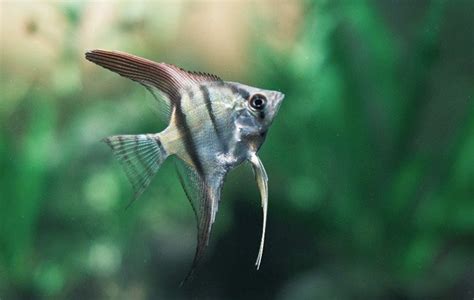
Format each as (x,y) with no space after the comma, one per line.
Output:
(258,101)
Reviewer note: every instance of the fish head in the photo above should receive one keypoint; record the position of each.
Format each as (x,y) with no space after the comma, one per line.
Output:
(258,110)
(263,105)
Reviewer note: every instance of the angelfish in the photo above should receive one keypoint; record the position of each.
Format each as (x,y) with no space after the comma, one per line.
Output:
(214,126)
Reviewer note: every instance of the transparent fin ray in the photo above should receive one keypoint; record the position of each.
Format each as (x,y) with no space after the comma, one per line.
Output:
(204,195)
(140,155)
(161,104)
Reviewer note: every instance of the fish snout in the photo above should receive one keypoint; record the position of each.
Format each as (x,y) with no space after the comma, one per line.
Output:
(278,96)
(277,99)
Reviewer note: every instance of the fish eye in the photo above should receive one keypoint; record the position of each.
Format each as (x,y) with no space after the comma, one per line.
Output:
(258,101)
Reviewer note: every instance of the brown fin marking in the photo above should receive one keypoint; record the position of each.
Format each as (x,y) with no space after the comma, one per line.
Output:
(168,78)
(141,156)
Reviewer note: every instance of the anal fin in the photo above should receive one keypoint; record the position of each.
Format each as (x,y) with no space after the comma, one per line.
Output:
(203,192)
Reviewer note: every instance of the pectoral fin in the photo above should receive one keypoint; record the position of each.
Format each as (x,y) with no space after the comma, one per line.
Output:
(262,182)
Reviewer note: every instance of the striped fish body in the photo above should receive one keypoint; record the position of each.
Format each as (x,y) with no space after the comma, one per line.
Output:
(210,114)
(214,126)
(202,128)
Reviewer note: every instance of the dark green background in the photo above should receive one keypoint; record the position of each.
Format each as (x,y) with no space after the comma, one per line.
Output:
(370,160)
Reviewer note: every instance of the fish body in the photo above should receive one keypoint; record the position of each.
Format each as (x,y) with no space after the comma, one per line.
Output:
(214,126)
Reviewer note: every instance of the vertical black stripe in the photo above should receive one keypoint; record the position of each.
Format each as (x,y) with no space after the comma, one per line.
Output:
(189,144)
(210,111)
(239,91)
(160,147)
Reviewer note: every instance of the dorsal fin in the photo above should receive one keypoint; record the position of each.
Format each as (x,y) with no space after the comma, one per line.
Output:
(168,78)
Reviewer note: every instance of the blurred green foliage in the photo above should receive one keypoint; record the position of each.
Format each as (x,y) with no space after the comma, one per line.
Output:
(371,159)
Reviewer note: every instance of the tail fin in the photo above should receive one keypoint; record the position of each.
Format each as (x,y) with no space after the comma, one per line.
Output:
(140,155)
